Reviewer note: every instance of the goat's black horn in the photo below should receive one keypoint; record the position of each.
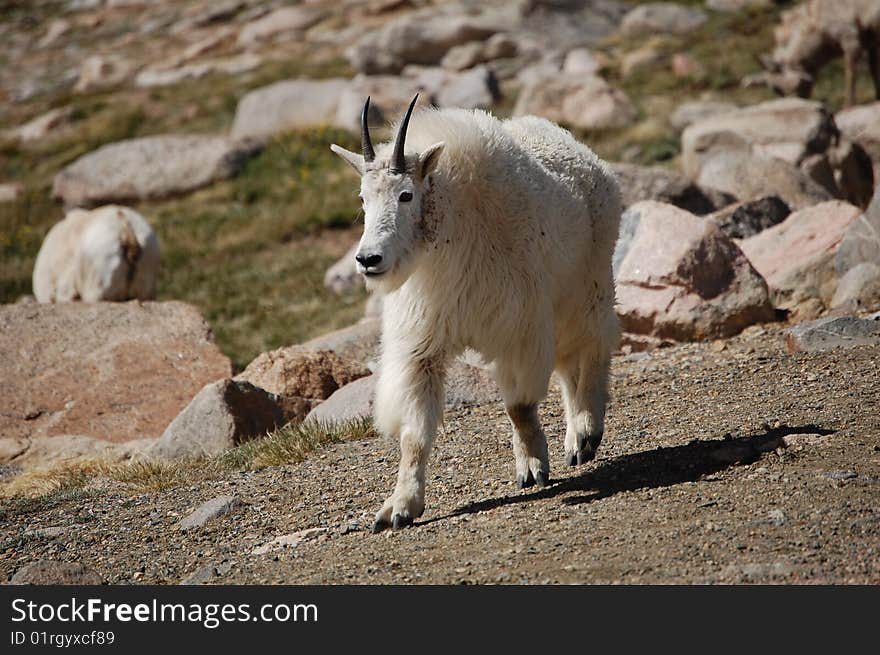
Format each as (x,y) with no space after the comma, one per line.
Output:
(398,161)
(366,142)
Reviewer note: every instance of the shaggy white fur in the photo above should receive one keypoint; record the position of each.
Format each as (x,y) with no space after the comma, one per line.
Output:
(504,246)
(109,253)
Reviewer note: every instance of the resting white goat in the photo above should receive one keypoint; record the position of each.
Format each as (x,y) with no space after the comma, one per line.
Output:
(495,236)
(109,253)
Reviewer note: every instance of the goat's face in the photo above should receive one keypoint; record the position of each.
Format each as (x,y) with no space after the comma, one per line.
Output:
(393,191)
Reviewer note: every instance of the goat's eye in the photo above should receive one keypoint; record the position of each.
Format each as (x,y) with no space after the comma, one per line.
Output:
(406,196)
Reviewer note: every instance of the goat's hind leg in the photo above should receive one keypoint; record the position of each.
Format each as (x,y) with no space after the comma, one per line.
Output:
(584,382)
(523,385)
(529,446)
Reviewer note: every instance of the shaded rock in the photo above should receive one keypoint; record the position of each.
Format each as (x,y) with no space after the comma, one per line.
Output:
(661,18)
(582,102)
(746,219)
(98,72)
(298,371)
(358,342)
(223,415)
(151,167)
(47,572)
(797,256)
(750,177)
(421,37)
(208,511)
(861,124)
(858,289)
(114,372)
(476,88)
(288,105)
(289,21)
(787,129)
(353,401)
(684,279)
(853,172)
(693,112)
(44,124)
(343,276)
(471,54)
(666,185)
(861,242)
(833,332)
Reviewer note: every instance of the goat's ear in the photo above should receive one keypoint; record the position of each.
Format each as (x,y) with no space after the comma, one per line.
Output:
(354,160)
(428,159)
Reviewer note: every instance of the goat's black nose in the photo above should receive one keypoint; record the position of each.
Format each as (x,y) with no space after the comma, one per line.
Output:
(368,261)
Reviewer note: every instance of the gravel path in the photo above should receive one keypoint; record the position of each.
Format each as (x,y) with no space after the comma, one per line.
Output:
(723,462)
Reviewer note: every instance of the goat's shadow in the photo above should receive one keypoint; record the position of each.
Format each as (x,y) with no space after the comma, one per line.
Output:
(650,469)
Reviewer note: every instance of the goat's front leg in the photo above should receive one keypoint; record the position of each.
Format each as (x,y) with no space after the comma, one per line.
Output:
(409,403)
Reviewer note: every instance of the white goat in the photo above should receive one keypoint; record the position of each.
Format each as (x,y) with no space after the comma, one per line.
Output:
(495,236)
(109,253)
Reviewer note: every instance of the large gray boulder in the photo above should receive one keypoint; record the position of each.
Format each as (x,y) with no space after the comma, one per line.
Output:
(588,103)
(421,37)
(680,277)
(223,415)
(749,177)
(661,18)
(666,185)
(81,376)
(151,167)
(288,105)
(789,129)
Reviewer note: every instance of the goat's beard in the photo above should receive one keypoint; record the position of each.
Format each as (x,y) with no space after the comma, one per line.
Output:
(395,277)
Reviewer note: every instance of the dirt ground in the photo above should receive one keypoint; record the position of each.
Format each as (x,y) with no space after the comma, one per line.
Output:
(725,462)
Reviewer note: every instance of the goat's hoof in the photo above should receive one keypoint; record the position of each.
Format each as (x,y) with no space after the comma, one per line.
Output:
(524,481)
(587,447)
(542,479)
(399,521)
(379,525)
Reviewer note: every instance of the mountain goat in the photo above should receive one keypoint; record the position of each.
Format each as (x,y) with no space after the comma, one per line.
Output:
(815,32)
(495,236)
(109,253)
